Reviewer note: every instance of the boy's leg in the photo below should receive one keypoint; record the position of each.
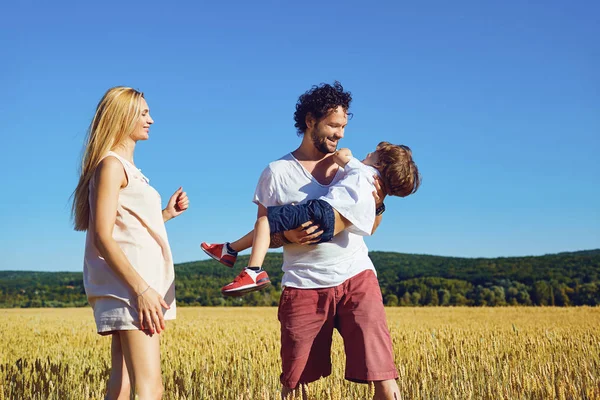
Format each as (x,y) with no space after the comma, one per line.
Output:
(288,217)
(142,357)
(261,242)
(247,241)
(226,253)
(253,277)
(220,252)
(249,280)
(243,243)
(278,219)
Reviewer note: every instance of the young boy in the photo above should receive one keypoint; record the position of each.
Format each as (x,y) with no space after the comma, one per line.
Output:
(349,204)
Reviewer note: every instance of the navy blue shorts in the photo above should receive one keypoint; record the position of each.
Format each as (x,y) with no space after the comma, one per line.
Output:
(288,217)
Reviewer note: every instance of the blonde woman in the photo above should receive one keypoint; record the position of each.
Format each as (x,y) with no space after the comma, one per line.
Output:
(128,267)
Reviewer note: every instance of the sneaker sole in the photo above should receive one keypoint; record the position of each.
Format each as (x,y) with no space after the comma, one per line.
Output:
(241,292)
(225,263)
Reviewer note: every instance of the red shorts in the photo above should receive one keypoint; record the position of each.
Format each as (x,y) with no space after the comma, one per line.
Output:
(355,309)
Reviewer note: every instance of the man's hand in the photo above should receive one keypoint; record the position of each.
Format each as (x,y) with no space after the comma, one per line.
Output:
(306,233)
(342,156)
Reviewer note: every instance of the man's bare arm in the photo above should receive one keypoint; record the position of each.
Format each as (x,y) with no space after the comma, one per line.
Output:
(278,240)
(379,196)
(378,219)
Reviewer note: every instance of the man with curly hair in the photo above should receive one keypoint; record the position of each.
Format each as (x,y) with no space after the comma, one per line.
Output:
(327,285)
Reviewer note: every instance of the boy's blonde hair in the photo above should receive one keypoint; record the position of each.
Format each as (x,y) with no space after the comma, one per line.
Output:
(399,172)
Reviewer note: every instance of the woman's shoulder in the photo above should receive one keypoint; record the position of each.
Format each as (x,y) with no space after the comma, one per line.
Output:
(111,168)
(111,165)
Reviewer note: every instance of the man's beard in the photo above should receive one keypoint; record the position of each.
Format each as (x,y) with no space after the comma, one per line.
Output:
(320,142)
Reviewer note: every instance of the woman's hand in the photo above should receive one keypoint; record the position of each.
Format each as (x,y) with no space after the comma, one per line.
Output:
(177,204)
(150,305)
(307,233)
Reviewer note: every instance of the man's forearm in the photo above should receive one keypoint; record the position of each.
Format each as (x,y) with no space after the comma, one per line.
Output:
(278,240)
(376,223)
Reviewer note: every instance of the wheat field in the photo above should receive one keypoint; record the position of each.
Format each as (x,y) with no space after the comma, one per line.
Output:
(233,353)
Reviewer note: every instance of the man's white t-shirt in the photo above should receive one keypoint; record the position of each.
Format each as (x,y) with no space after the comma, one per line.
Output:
(352,196)
(286,181)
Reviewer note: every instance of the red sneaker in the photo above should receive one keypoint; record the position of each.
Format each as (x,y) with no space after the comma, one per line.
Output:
(247,281)
(220,253)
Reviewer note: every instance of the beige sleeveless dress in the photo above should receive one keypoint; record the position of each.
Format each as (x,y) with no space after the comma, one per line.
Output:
(140,232)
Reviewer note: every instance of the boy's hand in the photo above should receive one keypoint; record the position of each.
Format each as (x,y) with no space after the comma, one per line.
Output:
(342,156)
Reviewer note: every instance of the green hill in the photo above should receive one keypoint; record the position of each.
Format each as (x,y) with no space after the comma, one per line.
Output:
(562,279)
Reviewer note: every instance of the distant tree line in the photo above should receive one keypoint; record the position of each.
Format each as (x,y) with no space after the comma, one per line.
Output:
(563,279)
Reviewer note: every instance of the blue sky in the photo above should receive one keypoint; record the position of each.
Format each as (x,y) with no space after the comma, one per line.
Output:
(498,100)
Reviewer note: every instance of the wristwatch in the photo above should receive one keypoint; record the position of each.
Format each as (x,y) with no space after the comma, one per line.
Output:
(379,210)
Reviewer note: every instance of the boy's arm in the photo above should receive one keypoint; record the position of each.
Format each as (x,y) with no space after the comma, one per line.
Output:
(342,157)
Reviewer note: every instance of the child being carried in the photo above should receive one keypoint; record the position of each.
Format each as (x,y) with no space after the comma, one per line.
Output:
(349,204)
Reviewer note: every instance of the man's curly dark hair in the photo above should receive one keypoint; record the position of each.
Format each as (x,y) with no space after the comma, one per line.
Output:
(318,101)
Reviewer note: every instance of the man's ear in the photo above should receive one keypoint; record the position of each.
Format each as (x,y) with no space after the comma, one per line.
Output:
(310,121)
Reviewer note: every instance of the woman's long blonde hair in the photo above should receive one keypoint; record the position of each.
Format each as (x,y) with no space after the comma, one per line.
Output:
(114,121)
